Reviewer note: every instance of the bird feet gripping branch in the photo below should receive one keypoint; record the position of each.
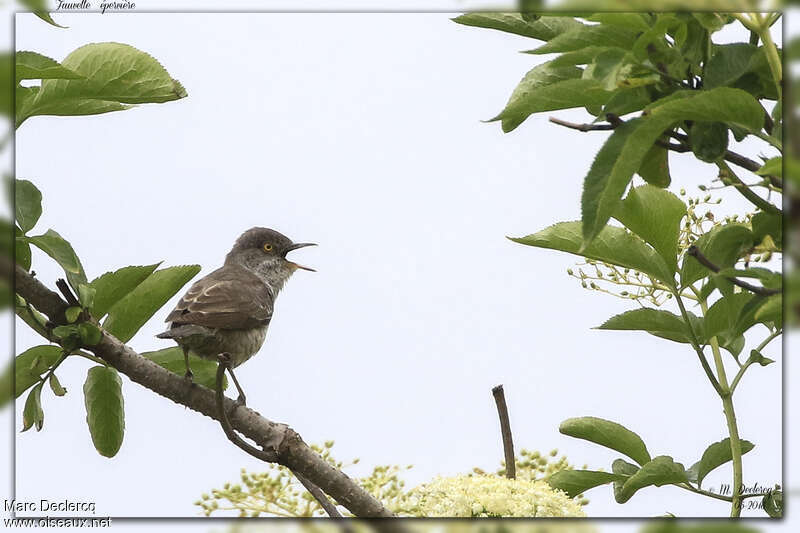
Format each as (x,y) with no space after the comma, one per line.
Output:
(226,362)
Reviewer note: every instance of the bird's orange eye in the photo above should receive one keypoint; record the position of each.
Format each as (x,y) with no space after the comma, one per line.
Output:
(268,247)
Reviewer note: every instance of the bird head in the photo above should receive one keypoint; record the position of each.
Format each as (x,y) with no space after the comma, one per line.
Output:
(263,251)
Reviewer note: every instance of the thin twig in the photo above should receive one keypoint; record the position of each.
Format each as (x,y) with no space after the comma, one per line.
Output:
(315,491)
(614,122)
(695,252)
(696,345)
(505,430)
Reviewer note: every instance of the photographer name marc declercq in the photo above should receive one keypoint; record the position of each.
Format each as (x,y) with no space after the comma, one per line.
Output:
(105,5)
(50,506)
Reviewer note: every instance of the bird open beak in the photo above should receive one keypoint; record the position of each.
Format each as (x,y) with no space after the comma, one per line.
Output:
(296,246)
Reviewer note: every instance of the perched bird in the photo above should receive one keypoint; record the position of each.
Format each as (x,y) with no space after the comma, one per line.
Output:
(229,310)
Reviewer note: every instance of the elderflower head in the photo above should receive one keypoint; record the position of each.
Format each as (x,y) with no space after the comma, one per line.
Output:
(491,496)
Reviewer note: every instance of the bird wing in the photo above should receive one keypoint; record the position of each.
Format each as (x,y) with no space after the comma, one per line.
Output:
(228,298)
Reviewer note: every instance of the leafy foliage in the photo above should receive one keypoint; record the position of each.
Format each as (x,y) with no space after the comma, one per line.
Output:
(689,94)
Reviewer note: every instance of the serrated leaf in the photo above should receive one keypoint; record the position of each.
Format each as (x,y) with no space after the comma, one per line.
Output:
(635,21)
(115,75)
(543,29)
(35,66)
(659,472)
(56,387)
(716,455)
(32,413)
(534,96)
(204,371)
(105,410)
(657,322)
(40,9)
(27,204)
(130,313)
(583,36)
(608,434)
(624,151)
(111,287)
(61,251)
(723,246)
(613,245)
(27,369)
(576,482)
(655,215)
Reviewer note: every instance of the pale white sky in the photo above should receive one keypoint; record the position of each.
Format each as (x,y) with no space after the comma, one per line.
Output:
(360,132)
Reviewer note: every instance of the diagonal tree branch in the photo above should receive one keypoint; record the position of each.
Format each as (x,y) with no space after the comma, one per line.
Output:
(280,443)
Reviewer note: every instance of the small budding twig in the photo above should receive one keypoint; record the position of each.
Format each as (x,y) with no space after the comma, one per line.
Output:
(315,491)
(505,431)
(695,252)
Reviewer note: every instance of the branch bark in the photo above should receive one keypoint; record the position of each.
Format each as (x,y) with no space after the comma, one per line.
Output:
(505,431)
(280,443)
(695,252)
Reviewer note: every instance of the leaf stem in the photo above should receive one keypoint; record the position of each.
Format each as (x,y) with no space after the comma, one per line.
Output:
(730,178)
(773,58)
(750,360)
(696,345)
(730,418)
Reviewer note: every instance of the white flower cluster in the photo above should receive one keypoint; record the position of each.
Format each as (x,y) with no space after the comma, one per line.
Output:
(491,496)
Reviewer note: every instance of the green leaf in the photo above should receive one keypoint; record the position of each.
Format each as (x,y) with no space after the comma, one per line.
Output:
(608,434)
(56,387)
(27,369)
(40,9)
(772,166)
(723,246)
(105,409)
(204,370)
(540,90)
(625,470)
(114,75)
(613,245)
(624,151)
(655,215)
(723,317)
(635,21)
(583,36)
(772,503)
(764,224)
(655,167)
(68,336)
(72,314)
(715,456)
(656,322)
(111,287)
(27,204)
(131,312)
(59,249)
(6,96)
(758,357)
(576,482)
(659,472)
(34,66)
(713,22)
(709,140)
(543,29)
(89,333)
(728,63)
(771,310)
(32,413)
(86,295)
(625,101)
